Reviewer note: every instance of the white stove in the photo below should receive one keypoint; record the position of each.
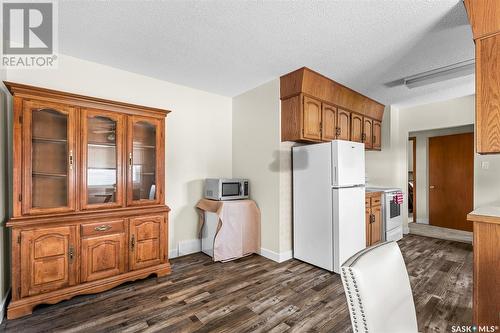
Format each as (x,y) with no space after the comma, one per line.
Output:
(391,213)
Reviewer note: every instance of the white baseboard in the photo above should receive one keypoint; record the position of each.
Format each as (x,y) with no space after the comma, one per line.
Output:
(194,245)
(275,256)
(3,305)
(173,253)
(185,247)
(423,221)
(442,233)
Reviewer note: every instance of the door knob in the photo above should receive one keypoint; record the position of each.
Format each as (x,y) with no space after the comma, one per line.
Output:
(432,187)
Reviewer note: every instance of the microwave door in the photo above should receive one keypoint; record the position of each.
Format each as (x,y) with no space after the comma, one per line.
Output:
(230,190)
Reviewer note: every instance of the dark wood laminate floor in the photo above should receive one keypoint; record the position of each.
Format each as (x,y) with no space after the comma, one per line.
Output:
(254,294)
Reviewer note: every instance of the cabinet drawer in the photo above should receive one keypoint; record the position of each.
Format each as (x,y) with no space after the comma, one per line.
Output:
(103,228)
(376,201)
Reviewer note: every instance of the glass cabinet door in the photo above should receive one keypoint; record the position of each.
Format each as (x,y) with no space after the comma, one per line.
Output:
(102,155)
(49,158)
(145,154)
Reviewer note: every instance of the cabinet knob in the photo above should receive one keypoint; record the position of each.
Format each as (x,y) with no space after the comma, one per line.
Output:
(132,242)
(432,187)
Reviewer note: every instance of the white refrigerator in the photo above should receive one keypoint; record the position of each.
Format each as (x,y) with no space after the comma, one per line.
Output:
(328,202)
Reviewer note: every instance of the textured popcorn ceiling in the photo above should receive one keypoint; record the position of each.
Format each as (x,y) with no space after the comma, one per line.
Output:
(228,47)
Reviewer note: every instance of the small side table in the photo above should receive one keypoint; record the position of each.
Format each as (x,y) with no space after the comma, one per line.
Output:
(238,229)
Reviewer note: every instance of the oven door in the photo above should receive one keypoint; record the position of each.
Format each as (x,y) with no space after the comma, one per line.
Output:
(392,213)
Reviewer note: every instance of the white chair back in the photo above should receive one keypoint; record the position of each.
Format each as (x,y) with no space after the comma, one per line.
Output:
(378,291)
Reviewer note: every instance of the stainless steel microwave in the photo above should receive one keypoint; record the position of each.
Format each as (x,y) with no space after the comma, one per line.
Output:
(226,189)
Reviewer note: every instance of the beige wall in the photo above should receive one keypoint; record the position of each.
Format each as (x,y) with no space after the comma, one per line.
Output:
(382,167)
(259,156)
(198,140)
(256,154)
(389,167)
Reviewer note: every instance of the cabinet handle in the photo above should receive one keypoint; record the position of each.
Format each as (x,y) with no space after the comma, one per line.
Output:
(130,160)
(337,131)
(71,160)
(363,137)
(102,228)
(71,253)
(132,242)
(372,218)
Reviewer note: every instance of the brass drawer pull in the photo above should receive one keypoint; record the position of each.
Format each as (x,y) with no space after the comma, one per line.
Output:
(102,228)
(71,160)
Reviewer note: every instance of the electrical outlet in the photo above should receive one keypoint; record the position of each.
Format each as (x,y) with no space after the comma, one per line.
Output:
(485,165)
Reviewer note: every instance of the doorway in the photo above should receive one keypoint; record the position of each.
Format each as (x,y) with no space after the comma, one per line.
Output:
(412,179)
(451,180)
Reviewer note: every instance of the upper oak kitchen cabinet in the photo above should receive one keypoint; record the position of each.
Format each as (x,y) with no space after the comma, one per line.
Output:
(484,17)
(88,198)
(315,108)
(357,134)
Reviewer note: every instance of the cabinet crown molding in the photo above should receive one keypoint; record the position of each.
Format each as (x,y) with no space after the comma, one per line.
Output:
(314,84)
(27,91)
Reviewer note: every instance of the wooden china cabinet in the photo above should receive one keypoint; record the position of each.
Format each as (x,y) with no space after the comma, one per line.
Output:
(89,207)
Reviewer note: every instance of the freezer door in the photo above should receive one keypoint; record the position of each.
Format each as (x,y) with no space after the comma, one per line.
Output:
(348,163)
(312,205)
(349,232)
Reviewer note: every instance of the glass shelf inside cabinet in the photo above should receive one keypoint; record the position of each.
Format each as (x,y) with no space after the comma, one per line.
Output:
(49,158)
(144,161)
(101,160)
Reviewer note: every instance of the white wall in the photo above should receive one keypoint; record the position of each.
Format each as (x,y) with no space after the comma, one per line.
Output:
(198,139)
(422,155)
(259,156)
(389,167)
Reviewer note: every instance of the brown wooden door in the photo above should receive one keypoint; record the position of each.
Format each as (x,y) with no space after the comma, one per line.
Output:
(145,161)
(103,139)
(48,259)
(451,173)
(376,225)
(356,127)
(49,158)
(328,122)
(312,119)
(377,135)
(368,133)
(147,241)
(368,216)
(104,248)
(343,125)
